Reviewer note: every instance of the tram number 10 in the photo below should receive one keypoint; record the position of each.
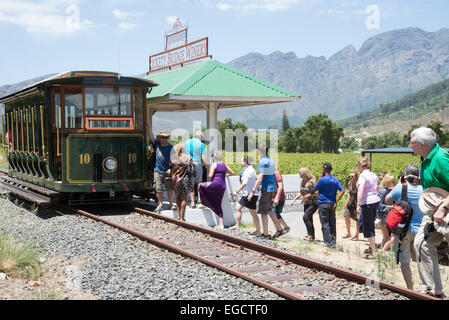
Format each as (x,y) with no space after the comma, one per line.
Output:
(132,158)
(84,158)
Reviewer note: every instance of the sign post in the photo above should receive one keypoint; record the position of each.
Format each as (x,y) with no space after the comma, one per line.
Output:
(187,52)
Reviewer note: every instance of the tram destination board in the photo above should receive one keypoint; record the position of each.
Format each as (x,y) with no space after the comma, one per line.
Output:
(192,51)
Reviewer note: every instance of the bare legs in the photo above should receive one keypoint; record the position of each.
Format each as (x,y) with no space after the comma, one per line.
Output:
(170,197)
(181,202)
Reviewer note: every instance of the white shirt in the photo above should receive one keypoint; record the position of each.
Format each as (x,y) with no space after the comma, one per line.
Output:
(249,178)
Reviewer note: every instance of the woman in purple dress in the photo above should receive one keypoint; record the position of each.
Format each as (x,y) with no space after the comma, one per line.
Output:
(211,193)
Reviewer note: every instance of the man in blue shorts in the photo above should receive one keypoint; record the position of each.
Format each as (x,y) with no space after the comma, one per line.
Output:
(197,151)
(327,188)
(266,179)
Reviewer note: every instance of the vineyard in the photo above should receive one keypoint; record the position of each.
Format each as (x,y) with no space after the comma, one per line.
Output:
(290,163)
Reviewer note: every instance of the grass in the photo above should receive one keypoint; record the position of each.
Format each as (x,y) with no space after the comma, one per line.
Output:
(18,259)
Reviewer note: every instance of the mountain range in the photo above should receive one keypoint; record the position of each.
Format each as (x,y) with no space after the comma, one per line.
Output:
(387,67)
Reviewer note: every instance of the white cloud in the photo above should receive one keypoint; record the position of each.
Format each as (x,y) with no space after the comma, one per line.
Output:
(121,15)
(124,17)
(126,26)
(171,19)
(246,5)
(44,16)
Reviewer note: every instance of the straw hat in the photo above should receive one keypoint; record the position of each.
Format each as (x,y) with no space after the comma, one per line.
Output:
(431,199)
(163,134)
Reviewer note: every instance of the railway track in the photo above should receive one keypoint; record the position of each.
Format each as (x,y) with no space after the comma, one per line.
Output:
(289,275)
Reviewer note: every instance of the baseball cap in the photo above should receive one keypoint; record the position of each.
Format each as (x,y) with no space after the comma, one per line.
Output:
(327,165)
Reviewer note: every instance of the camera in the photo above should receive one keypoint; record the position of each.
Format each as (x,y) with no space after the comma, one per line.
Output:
(401,178)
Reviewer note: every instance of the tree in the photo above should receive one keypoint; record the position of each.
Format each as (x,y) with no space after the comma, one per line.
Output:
(285,123)
(318,134)
(227,124)
(349,144)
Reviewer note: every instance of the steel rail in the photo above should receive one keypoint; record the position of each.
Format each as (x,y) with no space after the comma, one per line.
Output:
(185,253)
(293,258)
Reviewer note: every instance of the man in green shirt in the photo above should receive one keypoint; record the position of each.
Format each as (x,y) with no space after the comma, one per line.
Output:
(434,172)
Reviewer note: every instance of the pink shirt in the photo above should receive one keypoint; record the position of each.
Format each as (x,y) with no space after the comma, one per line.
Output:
(368,179)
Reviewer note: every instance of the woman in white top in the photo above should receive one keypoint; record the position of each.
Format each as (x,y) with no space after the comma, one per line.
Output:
(367,203)
(248,177)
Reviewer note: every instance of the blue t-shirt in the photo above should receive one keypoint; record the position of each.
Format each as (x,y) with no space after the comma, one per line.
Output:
(195,148)
(413,195)
(162,157)
(327,187)
(267,167)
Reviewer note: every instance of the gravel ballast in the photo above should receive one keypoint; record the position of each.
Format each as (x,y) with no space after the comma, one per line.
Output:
(119,266)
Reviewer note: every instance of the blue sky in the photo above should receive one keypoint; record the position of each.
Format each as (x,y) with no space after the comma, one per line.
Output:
(51,36)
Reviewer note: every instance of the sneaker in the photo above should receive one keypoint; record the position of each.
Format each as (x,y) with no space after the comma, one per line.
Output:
(158,208)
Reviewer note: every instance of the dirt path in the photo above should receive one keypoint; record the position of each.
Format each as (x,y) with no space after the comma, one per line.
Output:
(349,254)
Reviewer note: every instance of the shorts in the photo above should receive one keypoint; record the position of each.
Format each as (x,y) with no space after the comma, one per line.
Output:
(198,173)
(366,220)
(249,204)
(278,209)
(264,203)
(407,250)
(161,179)
(351,212)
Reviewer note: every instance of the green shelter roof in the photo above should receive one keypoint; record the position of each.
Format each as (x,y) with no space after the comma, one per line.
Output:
(189,87)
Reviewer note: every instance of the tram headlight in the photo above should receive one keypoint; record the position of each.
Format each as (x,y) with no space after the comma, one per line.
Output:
(110,164)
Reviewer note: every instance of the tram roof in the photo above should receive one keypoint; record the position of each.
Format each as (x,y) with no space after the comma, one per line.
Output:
(76,77)
(190,87)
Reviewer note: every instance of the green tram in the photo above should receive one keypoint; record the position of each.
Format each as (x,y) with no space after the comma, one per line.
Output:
(79,137)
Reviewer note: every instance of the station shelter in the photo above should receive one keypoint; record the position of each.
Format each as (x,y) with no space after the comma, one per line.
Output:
(210,85)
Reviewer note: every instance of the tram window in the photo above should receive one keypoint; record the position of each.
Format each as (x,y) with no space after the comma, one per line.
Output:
(137,100)
(58,110)
(108,101)
(73,115)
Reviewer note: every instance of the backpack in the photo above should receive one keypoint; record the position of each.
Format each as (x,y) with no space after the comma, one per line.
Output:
(399,217)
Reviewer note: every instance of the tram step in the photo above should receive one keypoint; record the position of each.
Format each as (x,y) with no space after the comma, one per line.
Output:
(40,189)
(26,194)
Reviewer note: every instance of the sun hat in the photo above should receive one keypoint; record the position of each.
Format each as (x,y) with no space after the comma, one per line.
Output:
(431,199)
(163,134)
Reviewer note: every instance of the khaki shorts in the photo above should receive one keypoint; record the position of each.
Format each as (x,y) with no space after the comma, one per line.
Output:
(161,179)
(407,249)
(264,202)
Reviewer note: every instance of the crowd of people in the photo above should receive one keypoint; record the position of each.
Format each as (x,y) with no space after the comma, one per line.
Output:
(423,190)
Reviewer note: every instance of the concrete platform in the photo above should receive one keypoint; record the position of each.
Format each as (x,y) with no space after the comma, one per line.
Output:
(292,215)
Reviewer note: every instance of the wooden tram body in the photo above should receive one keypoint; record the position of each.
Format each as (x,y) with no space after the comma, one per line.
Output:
(79,137)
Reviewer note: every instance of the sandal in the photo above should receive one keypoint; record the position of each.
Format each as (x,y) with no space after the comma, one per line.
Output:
(255,233)
(285,230)
(368,256)
(439,295)
(264,236)
(277,234)
(346,236)
(368,251)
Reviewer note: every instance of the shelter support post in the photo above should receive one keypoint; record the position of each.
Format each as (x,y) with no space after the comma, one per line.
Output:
(212,111)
